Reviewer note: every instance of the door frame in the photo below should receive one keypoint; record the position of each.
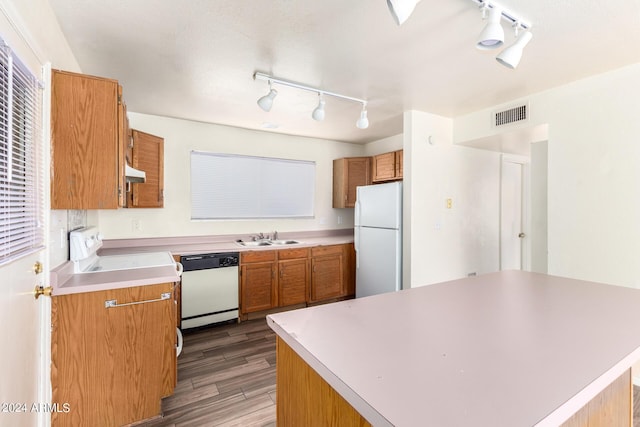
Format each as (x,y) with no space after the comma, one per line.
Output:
(525,246)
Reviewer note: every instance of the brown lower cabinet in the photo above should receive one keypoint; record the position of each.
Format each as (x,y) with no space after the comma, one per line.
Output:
(293,276)
(279,278)
(327,273)
(112,365)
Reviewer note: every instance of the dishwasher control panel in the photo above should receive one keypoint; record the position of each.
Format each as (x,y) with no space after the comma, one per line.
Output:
(209,261)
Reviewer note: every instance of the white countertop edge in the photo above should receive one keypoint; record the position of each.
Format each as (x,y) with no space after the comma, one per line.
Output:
(360,405)
(104,281)
(584,396)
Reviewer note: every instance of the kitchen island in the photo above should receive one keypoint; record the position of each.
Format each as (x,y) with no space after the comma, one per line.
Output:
(503,349)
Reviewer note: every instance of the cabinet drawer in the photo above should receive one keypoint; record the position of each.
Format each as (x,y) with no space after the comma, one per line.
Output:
(257,256)
(293,253)
(326,250)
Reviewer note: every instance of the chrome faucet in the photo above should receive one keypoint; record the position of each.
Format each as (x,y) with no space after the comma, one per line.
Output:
(275,235)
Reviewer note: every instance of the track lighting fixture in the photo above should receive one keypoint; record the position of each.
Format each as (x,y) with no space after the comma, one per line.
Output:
(492,36)
(510,57)
(318,113)
(363,121)
(401,9)
(266,102)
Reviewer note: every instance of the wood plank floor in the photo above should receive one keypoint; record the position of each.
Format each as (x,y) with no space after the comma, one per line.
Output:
(227,377)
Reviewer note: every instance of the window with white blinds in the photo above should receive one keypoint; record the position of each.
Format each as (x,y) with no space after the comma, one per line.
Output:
(230,186)
(21,159)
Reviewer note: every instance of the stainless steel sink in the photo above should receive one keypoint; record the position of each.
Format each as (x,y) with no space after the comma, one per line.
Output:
(254,243)
(284,242)
(266,242)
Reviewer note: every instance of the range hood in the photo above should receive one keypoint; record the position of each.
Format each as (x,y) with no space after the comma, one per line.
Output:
(134,175)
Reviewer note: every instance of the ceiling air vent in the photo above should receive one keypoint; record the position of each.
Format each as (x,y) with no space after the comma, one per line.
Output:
(516,114)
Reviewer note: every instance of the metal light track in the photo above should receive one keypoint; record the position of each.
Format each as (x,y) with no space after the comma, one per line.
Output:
(268,78)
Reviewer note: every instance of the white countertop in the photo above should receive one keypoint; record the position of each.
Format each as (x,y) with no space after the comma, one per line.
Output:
(64,281)
(502,349)
(191,245)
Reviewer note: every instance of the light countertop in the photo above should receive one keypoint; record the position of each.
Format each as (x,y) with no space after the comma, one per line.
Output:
(191,245)
(509,348)
(64,281)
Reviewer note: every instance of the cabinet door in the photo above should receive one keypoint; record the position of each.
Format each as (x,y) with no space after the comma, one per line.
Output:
(293,277)
(399,164)
(112,364)
(257,287)
(384,167)
(326,278)
(148,156)
(84,142)
(123,132)
(348,173)
(327,273)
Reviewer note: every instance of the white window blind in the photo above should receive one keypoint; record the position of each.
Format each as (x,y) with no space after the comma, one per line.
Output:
(229,186)
(21,159)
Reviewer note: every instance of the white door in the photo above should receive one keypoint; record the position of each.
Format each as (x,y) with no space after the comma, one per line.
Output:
(25,386)
(23,369)
(512,233)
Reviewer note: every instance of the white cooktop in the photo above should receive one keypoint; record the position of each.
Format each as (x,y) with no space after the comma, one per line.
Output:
(83,247)
(129,261)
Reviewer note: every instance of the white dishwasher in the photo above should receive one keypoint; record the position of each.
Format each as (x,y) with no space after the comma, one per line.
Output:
(209,289)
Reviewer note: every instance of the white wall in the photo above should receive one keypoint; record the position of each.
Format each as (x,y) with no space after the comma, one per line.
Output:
(182,136)
(443,243)
(384,145)
(593,176)
(539,233)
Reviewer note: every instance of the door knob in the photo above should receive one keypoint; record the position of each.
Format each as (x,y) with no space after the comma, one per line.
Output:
(40,290)
(521,235)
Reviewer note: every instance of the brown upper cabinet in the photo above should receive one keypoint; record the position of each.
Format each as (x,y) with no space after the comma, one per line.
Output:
(147,154)
(87,146)
(348,173)
(387,166)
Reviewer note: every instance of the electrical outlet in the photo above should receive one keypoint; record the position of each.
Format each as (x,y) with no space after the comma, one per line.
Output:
(339,219)
(135,224)
(449,203)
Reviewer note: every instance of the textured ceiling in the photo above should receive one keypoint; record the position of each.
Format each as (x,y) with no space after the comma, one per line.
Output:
(195,59)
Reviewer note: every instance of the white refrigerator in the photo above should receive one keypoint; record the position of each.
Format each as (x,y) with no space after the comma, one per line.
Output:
(378,239)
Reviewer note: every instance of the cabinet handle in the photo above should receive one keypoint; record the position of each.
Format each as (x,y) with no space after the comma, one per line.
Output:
(112,303)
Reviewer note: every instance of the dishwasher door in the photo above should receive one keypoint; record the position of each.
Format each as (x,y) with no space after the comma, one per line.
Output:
(209,296)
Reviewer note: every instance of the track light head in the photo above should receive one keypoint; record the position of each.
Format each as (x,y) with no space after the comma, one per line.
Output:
(510,57)
(318,112)
(266,102)
(401,9)
(363,121)
(492,36)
